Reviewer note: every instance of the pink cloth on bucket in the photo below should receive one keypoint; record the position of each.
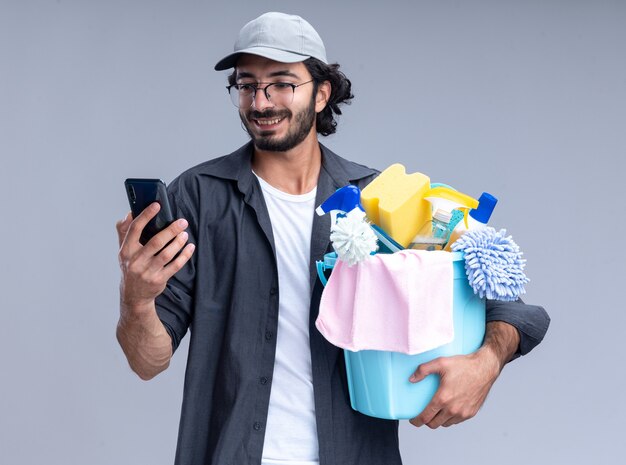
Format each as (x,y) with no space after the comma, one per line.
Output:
(400,302)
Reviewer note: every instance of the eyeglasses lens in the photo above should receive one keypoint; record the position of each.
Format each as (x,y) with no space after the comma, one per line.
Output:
(278,93)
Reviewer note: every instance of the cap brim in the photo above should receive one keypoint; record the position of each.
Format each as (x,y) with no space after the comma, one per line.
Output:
(271,53)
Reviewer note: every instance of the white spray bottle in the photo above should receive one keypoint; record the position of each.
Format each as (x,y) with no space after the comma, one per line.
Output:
(443,200)
(476,219)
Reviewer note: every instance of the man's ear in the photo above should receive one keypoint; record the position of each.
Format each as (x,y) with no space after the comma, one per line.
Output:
(323,95)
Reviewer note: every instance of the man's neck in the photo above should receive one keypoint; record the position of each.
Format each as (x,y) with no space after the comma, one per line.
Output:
(295,171)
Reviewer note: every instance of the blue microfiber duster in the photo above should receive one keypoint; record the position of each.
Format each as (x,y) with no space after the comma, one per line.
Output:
(493,263)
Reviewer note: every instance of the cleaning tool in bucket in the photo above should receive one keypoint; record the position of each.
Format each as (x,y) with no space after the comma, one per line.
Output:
(395,202)
(399,302)
(493,263)
(350,233)
(441,184)
(378,380)
(352,238)
(327,264)
(343,200)
(386,244)
(477,218)
(446,201)
(447,198)
(433,235)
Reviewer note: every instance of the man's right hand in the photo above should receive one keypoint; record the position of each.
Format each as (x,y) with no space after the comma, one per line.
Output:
(147,268)
(145,272)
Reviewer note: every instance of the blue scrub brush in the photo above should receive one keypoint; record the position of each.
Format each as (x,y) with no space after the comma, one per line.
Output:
(493,263)
(352,237)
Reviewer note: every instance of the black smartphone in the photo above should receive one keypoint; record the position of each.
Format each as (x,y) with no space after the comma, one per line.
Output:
(141,193)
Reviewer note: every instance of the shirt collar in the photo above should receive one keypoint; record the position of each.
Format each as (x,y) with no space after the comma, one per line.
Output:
(238,167)
(335,172)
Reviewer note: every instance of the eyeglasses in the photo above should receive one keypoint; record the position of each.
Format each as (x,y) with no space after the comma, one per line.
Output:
(279,93)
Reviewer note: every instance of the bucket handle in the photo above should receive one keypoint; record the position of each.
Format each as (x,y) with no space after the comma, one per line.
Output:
(327,264)
(320,271)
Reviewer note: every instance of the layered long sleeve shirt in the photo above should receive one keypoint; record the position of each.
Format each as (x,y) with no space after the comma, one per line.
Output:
(226,296)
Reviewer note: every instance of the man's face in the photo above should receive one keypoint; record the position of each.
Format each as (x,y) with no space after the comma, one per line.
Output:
(274,125)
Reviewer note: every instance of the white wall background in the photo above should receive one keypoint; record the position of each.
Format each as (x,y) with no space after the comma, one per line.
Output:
(524,99)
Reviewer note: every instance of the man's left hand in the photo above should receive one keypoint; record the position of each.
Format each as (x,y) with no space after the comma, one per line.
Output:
(464,385)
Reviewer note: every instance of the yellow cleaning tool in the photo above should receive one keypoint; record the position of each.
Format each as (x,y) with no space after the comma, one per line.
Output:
(449,199)
(395,202)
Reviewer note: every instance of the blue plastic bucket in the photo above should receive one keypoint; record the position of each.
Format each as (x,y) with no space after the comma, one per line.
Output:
(378,381)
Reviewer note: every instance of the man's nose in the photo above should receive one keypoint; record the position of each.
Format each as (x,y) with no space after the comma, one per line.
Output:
(260,101)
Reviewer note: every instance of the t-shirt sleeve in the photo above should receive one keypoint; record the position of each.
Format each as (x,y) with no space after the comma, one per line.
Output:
(174,305)
(531,321)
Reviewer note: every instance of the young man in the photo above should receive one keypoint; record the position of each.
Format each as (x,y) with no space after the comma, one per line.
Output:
(262,385)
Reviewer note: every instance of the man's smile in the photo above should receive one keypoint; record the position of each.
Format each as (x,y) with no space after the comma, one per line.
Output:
(267,122)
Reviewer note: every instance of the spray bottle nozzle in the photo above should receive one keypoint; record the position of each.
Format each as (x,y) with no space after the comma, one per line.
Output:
(343,200)
(486,204)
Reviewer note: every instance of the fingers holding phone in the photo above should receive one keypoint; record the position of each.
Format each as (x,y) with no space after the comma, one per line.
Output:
(147,268)
(171,258)
(142,196)
(152,245)
(131,228)
(167,244)
(163,249)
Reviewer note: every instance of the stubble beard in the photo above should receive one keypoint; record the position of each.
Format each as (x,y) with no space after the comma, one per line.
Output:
(302,121)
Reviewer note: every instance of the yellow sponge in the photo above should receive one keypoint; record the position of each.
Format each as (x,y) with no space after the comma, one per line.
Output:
(395,202)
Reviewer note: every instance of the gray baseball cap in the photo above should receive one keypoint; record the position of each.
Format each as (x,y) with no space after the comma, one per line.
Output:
(279,37)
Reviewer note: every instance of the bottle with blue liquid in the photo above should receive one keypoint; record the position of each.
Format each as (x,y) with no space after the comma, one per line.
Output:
(476,219)
(434,235)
